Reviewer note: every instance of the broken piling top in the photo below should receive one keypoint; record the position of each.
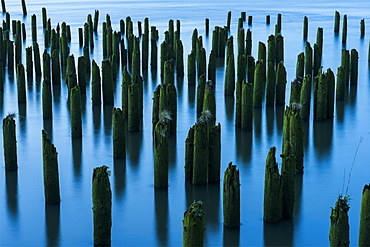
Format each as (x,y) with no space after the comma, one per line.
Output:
(339,226)
(231,196)
(364,236)
(102,206)
(10,142)
(193,225)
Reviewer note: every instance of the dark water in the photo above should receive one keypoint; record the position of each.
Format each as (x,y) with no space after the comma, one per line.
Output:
(143,216)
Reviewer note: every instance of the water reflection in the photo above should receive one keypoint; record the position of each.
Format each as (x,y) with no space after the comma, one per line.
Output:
(270,116)
(56,94)
(191,96)
(279,118)
(52,221)
(76,156)
(119,170)
(257,121)
(1,103)
(134,145)
(11,178)
(180,83)
(161,216)
(96,112)
(231,236)
(107,112)
(323,137)
(229,109)
(279,234)
(298,196)
(243,145)
(22,111)
(352,96)
(339,113)
(48,127)
(172,152)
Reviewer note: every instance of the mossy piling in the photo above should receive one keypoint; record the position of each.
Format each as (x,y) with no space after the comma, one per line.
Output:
(231,197)
(354,67)
(10,142)
(193,225)
(75,109)
(47,108)
(339,225)
(247,106)
(364,237)
(21,84)
(118,133)
(161,145)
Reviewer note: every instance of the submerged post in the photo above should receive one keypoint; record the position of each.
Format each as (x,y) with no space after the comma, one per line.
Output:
(193,225)
(364,236)
(102,206)
(75,109)
(231,197)
(339,226)
(50,170)
(10,142)
(119,143)
(161,145)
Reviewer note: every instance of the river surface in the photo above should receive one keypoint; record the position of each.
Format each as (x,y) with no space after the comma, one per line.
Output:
(143,216)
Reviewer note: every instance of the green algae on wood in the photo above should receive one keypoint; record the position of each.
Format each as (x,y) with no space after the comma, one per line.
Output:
(193,225)
(46,65)
(229,86)
(317,55)
(107,83)
(37,60)
(95,84)
(50,170)
(341,84)
(47,108)
(81,75)
(271,51)
(126,81)
(362,28)
(231,197)
(296,137)
(336,22)
(200,93)
(248,42)
(212,67)
(10,142)
(330,88)
(189,154)
(118,133)
(320,93)
(201,62)
(364,236)
(308,59)
(21,84)
(29,63)
(55,67)
(262,58)
(281,81)
(287,181)
(305,97)
(102,206)
(75,109)
(161,145)
(305,28)
(339,225)
(209,101)
(214,154)
(191,68)
(258,85)
(279,43)
(272,203)
(354,67)
(344,29)
(168,103)
(201,150)
(270,84)
(345,63)
(247,106)
(179,58)
(133,106)
(295,91)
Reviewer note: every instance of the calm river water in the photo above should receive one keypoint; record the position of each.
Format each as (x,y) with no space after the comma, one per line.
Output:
(143,216)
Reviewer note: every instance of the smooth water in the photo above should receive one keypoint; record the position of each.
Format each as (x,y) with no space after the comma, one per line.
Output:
(143,216)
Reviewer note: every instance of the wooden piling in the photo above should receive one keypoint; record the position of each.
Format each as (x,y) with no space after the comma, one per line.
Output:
(250,19)
(36,56)
(258,85)
(161,145)
(75,109)
(271,50)
(50,170)
(272,190)
(55,67)
(153,54)
(47,107)
(344,30)
(268,19)
(305,28)
(168,104)
(168,73)
(296,137)
(231,197)
(308,59)
(18,49)
(191,68)
(321,98)
(270,84)
(345,63)
(179,58)
(33,28)
(201,150)
(95,84)
(341,84)
(29,63)
(305,97)
(247,106)
(250,69)
(3,6)
(118,133)
(248,42)
(107,83)
(316,59)
(134,111)
(229,86)
(193,225)
(200,93)
(24,8)
(102,206)
(228,23)
(10,142)
(201,62)
(330,87)
(212,67)
(320,39)
(295,91)
(262,58)
(81,68)
(214,154)
(339,225)
(354,67)
(206,26)
(189,154)
(364,237)
(209,101)
(279,44)
(362,28)
(336,22)
(287,181)
(300,67)
(21,84)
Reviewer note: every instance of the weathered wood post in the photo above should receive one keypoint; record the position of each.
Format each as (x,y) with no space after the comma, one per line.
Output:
(296,137)
(161,145)
(344,30)
(75,109)
(3,6)
(336,22)
(280,84)
(330,87)
(305,98)
(214,159)
(200,93)
(258,85)
(95,84)
(102,206)
(50,170)
(362,28)
(191,68)
(321,98)
(24,9)
(193,225)
(354,67)
(364,237)
(308,59)
(295,91)
(248,42)
(270,84)
(272,190)
(46,65)
(209,101)
(339,226)
(247,106)
(55,67)
(305,28)
(29,64)
(201,150)
(231,197)
(47,108)
(134,105)
(10,142)
(107,83)
(21,84)
(37,60)
(189,154)
(118,135)
(341,84)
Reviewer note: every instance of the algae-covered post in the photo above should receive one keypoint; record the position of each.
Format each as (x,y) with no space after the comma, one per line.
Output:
(81,68)
(191,68)
(118,135)
(305,28)
(29,63)
(9,142)
(230,76)
(308,59)
(107,83)
(362,28)
(320,106)
(336,22)
(95,84)
(268,19)
(295,91)
(258,85)
(75,109)
(248,42)
(247,106)
(316,59)
(228,21)
(24,9)
(102,206)
(193,225)
(37,60)
(209,101)
(161,145)
(212,67)
(214,154)
(250,19)
(339,225)
(344,31)
(189,154)
(21,84)
(133,106)
(364,236)
(354,67)
(46,65)
(207,26)
(50,170)
(272,190)
(55,67)
(287,181)
(305,97)
(296,137)
(3,6)
(280,83)
(47,108)
(231,197)
(341,84)
(330,87)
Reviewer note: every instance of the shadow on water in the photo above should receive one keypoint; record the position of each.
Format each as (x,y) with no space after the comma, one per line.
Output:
(96,112)
(298,196)
(161,215)
(229,109)
(119,177)
(134,143)
(270,116)
(323,137)
(1,103)
(172,152)
(352,96)
(279,119)
(107,112)
(48,127)
(243,145)
(22,111)
(11,178)
(52,220)
(76,156)
(56,94)
(231,236)
(306,138)
(339,111)
(191,96)
(209,194)
(278,234)
(257,122)
(180,86)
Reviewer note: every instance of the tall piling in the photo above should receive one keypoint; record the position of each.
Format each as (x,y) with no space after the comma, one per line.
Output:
(339,225)
(247,106)
(354,67)
(258,85)
(280,84)
(21,84)
(75,109)
(95,84)
(305,97)
(107,83)
(336,22)
(201,150)
(270,84)
(189,154)
(344,29)
(47,107)
(50,170)
(10,142)
(102,206)
(193,225)
(364,237)
(214,154)
(305,28)
(161,145)
(118,133)
(231,197)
